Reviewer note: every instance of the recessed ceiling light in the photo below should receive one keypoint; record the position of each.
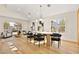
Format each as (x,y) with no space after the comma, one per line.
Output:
(18,9)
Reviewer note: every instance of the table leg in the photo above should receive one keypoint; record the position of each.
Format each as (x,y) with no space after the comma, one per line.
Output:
(48,40)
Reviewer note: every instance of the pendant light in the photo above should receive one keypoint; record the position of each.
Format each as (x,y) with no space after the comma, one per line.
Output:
(40,13)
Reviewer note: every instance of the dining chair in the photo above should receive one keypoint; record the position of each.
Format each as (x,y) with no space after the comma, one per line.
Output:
(30,36)
(24,32)
(56,37)
(38,37)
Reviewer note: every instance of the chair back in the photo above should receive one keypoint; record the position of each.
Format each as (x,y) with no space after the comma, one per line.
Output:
(38,35)
(29,33)
(56,35)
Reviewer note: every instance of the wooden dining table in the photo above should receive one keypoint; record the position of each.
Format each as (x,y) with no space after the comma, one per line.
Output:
(48,37)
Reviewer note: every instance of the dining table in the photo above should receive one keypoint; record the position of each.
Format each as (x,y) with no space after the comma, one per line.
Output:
(48,37)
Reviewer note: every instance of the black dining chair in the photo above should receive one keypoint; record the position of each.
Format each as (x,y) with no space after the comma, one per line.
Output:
(30,36)
(24,32)
(38,37)
(56,37)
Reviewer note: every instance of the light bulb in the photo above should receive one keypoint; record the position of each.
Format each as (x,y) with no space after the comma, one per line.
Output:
(40,19)
(36,20)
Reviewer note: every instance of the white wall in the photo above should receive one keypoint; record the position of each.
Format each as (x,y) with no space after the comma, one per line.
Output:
(70,27)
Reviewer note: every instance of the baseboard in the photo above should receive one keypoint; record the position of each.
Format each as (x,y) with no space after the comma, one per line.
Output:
(70,41)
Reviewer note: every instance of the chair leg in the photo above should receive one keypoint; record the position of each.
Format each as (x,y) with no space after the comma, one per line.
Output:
(30,39)
(58,44)
(27,39)
(44,43)
(34,42)
(51,43)
(39,43)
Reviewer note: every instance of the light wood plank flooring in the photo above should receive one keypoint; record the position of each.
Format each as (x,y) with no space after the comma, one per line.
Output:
(25,47)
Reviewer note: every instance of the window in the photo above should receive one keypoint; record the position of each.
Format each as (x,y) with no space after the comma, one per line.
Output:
(58,25)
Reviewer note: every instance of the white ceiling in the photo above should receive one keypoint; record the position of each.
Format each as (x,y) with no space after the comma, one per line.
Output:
(32,11)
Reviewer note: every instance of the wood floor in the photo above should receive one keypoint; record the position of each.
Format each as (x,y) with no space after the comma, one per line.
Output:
(22,46)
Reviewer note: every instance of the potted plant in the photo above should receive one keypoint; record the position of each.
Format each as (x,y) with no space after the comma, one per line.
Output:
(6,25)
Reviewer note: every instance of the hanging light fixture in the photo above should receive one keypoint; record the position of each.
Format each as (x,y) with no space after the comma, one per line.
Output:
(48,5)
(40,13)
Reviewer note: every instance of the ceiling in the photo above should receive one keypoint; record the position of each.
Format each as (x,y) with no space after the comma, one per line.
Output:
(32,11)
